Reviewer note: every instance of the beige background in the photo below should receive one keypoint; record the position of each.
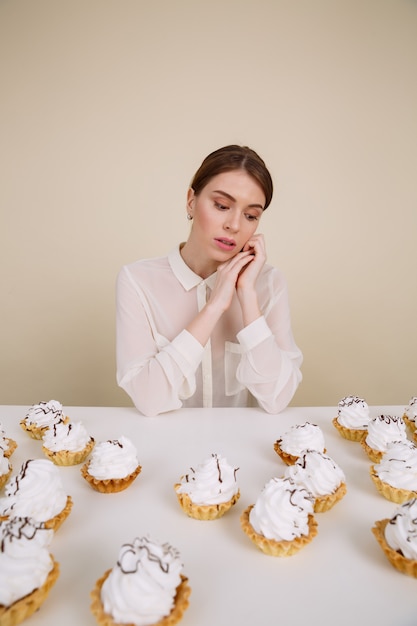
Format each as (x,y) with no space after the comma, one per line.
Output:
(107,108)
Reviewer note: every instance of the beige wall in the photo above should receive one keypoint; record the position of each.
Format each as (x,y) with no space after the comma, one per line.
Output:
(107,108)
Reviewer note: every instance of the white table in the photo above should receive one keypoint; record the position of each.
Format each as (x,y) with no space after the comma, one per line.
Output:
(341,578)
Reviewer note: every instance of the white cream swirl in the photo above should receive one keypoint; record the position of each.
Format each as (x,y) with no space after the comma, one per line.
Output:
(212,482)
(72,437)
(115,458)
(398,466)
(282,510)
(317,472)
(25,561)
(141,588)
(44,414)
(410,411)
(37,492)
(401,530)
(353,412)
(302,437)
(385,428)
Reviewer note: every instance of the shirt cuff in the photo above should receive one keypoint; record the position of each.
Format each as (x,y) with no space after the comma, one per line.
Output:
(189,348)
(254,334)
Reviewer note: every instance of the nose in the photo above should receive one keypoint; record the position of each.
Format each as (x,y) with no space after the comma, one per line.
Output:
(231,222)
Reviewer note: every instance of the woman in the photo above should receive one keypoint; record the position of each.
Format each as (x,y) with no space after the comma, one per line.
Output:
(209,324)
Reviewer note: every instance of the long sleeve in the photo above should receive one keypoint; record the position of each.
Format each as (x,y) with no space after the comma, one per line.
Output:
(270,362)
(155,372)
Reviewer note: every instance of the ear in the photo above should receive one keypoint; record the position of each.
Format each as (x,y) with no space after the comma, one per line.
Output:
(190,201)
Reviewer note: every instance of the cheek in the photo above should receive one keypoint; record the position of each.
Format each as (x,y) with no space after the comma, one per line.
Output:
(205,218)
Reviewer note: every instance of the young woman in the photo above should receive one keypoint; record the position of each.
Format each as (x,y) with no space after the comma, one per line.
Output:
(209,324)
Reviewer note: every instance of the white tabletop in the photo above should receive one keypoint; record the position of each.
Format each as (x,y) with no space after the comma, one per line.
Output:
(342,577)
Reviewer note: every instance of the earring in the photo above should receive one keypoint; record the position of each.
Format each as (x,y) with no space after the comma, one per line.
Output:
(189,217)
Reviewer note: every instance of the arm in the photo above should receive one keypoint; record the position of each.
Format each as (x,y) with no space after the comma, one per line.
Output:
(154,372)
(270,363)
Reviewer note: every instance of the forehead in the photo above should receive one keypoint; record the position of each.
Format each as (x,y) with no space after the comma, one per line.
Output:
(239,185)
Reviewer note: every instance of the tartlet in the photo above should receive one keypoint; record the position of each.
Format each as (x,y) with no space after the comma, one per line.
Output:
(352,418)
(67,444)
(298,438)
(208,492)
(145,586)
(281,522)
(397,537)
(27,569)
(113,466)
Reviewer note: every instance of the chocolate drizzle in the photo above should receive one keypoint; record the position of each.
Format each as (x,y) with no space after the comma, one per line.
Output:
(350,400)
(134,553)
(19,528)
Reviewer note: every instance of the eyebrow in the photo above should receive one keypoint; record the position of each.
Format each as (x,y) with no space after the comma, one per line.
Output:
(227,195)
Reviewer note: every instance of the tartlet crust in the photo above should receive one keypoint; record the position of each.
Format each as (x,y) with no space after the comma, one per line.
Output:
(397,560)
(374,455)
(393,494)
(351,434)
(55,522)
(201,511)
(109,485)
(325,503)
(66,458)
(25,607)
(104,619)
(277,548)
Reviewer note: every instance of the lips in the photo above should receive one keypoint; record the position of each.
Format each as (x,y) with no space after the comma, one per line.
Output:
(225,243)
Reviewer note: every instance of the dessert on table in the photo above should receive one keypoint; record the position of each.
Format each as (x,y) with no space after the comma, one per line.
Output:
(382,430)
(397,537)
(210,490)
(5,468)
(27,569)
(321,476)
(41,416)
(37,492)
(146,587)
(352,418)
(298,438)
(113,465)
(281,522)
(7,445)
(395,476)
(67,443)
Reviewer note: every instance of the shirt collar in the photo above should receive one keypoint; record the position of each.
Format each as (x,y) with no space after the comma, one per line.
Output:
(185,274)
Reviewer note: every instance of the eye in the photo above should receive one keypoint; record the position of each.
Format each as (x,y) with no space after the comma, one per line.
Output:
(220,207)
(251,217)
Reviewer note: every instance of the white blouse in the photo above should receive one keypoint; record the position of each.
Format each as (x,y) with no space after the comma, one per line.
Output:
(163,367)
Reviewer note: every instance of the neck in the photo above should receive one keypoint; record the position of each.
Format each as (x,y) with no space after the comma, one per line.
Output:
(201,267)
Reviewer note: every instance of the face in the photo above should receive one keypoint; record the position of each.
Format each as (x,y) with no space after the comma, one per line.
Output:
(225,214)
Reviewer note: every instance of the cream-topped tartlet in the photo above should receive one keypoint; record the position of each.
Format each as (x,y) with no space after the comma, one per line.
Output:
(7,445)
(41,416)
(397,536)
(210,490)
(36,492)
(146,587)
(112,466)
(352,418)
(67,444)
(281,521)
(298,438)
(321,476)
(5,469)
(382,430)
(395,476)
(27,569)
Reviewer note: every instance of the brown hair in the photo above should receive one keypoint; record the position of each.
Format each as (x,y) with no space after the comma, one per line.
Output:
(232,158)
